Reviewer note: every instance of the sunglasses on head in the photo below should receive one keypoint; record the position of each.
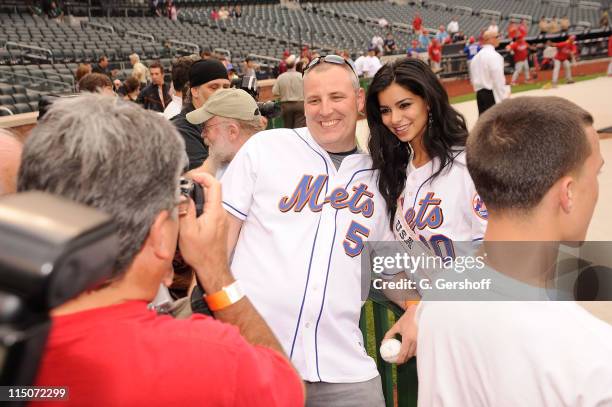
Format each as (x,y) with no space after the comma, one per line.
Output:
(330,59)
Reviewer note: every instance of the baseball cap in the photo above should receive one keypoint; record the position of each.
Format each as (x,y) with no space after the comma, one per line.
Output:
(230,103)
(206,70)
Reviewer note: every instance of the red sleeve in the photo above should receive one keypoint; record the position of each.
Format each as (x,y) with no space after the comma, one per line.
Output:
(267,379)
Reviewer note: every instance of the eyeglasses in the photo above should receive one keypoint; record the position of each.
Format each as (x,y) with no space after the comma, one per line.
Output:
(330,59)
(206,129)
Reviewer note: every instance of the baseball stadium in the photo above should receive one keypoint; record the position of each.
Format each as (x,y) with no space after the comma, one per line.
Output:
(231,203)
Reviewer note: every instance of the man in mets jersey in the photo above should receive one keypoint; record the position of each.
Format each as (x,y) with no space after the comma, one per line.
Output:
(302,203)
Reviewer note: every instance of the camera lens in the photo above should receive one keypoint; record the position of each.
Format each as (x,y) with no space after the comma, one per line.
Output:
(186,186)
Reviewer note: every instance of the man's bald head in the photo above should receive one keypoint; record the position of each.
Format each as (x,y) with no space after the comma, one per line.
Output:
(491,37)
(10,158)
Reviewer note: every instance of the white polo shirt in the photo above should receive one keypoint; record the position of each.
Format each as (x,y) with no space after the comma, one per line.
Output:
(487,72)
(298,253)
(521,353)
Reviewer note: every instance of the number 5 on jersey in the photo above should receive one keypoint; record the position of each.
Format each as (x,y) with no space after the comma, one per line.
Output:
(353,244)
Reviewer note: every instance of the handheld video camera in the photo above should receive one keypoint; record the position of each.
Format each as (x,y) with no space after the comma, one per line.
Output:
(268,109)
(51,250)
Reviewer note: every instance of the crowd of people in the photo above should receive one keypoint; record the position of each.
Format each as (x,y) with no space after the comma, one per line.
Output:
(271,269)
(163,8)
(286,331)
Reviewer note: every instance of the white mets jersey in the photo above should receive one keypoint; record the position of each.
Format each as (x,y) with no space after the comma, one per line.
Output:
(298,253)
(446,209)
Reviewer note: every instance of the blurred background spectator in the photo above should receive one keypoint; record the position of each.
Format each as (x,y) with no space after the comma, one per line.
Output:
(139,71)
(96,83)
(132,89)
(156,95)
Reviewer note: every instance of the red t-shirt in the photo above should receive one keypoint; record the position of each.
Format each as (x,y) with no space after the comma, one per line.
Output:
(564,50)
(610,46)
(520,49)
(417,23)
(435,53)
(127,355)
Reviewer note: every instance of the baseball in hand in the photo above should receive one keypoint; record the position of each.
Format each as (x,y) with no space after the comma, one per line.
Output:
(390,349)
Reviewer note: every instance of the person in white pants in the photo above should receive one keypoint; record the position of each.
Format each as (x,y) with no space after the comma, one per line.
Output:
(520,51)
(565,51)
(518,67)
(566,67)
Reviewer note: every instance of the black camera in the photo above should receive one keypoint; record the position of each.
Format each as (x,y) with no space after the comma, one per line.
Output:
(194,191)
(268,109)
(51,250)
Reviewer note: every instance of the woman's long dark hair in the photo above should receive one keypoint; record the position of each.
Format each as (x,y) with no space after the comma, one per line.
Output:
(390,155)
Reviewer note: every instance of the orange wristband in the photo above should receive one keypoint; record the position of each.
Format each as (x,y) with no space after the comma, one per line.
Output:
(225,297)
(408,303)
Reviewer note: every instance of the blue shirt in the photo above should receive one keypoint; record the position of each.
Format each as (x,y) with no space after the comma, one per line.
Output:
(423,41)
(471,50)
(442,36)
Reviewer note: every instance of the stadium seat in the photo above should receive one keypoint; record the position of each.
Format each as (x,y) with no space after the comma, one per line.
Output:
(19,98)
(68,55)
(19,89)
(6,89)
(6,100)
(22,108)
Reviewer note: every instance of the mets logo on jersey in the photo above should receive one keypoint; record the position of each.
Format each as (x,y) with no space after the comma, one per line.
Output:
(357,199)
(479,207)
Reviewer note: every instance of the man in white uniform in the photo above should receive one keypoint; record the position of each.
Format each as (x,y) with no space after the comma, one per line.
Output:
(302,203)
(523,353)
(487,73)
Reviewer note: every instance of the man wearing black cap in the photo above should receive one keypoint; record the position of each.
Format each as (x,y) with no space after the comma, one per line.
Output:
(205,78)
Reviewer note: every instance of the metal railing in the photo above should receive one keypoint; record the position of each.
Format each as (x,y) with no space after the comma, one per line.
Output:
(183,47)
(518,17)
(98,26)
(266,63)
(6,109)
(39,83)
(490,14)
(136,34)
(225,52)
(463,10)
(31,51)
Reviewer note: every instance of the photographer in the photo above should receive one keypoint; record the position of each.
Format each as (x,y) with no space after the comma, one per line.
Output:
(105,345)
(205,78)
